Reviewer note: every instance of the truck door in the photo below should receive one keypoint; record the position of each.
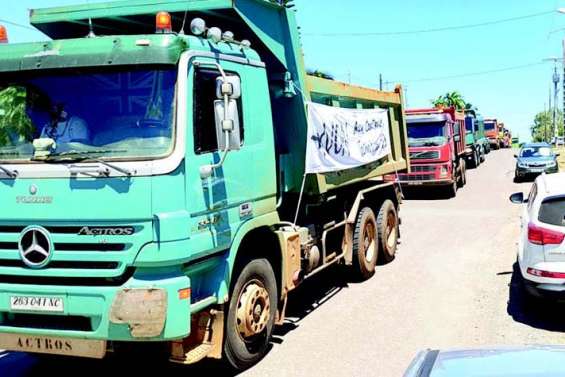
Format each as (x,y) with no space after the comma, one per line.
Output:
(238,190)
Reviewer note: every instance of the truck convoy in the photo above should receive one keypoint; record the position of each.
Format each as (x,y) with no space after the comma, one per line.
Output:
(474,139)
(436,140)
(153,182)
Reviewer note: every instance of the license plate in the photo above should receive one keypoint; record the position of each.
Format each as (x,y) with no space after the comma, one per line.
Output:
(415,183)
(37,304)
(537,170)
(55,346)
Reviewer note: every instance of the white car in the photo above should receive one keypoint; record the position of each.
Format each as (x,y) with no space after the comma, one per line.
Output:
(541,250)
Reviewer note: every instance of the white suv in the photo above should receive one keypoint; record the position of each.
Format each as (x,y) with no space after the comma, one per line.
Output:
(541,250)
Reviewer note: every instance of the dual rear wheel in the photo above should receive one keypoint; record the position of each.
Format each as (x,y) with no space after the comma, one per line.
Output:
(374,238)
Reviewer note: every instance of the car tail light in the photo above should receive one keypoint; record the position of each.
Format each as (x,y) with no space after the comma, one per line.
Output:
(546,274)
(542,236)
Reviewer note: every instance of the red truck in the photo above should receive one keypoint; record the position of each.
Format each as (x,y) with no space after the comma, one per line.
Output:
(492,128)
(436,139)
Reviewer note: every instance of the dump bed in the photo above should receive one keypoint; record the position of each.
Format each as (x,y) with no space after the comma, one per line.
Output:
(272,30)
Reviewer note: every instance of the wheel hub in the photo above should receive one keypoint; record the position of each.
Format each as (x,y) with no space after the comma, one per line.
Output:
(253,310)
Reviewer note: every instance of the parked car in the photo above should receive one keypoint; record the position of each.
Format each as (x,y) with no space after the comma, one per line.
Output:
(535,158)
(497,361)
(541,250)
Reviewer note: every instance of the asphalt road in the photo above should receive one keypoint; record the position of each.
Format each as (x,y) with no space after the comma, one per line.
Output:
(454,284)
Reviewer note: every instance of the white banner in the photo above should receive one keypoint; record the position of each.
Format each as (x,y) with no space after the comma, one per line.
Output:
(340,139)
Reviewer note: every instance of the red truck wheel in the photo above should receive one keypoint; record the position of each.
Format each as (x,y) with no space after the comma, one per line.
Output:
(387,225)
(251,315)
(365,244)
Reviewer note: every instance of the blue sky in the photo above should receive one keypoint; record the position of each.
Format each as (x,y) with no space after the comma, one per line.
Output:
(513,96)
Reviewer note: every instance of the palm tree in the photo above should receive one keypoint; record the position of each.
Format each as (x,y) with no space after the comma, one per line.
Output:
(449,99)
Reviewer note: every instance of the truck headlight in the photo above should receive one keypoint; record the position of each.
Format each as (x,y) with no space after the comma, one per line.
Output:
(551,164)
(443,172)
(521,165)
(144,310)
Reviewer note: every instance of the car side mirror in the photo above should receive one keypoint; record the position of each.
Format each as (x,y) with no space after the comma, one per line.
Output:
(515,156)
(518,198)
(557,154)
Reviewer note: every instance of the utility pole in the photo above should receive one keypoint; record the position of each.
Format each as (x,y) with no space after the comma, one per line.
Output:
(380,82)
(555,89)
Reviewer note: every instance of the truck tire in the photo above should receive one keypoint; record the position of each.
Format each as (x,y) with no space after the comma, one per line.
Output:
(251,315)
(482,155)
(477,158)
(387,227)
(451,190)
(365,244)
(463,173)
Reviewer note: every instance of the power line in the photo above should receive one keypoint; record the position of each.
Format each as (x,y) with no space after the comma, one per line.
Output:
(18,25)
(433,30)
(463,75)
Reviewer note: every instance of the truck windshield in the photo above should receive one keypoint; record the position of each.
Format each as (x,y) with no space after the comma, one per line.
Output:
(128,113)
(489,126)
(426,134)
(469,125)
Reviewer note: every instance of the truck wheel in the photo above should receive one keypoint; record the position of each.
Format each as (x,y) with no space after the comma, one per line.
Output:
(477,158)
(482,155)
(387,226)
(365,244)
(251,315)
(463,179)
(451,190)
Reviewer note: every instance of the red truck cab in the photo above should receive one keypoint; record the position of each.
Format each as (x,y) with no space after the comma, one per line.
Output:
(492,133)
(436,139)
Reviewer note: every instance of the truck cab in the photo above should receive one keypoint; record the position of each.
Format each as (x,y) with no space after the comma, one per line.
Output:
(474,149)
(492,133)
(153,183)
(436,145)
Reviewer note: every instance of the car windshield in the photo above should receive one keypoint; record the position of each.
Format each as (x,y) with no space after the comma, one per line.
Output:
(127,113)
(426,134)
(536,152)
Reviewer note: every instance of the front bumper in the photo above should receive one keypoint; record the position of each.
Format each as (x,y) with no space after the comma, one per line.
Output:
(87,310)
(525,171)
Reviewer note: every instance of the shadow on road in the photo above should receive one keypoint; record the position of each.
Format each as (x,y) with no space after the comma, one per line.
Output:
(541,314)
(309,297)
(425,193)
(302,302)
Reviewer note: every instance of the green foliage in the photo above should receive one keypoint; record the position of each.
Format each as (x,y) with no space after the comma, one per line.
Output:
(542,128)
(321,74)
(13,117)
(450,99)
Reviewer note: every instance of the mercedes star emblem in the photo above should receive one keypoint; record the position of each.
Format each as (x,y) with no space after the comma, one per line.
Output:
(33,189)
(35,247)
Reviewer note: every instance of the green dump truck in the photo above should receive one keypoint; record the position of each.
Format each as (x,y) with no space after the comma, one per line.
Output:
(153,179)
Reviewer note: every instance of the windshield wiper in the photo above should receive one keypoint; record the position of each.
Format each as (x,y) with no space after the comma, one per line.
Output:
(9,173)
(85,156)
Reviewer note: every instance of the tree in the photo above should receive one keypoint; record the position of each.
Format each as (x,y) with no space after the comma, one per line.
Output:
(14,121)
(450,99)
(542,128)
(321,74)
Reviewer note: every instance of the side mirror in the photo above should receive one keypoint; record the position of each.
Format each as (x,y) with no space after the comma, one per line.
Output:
(229,124)
(557,154)
(518,198)
(230,86)
(515,156)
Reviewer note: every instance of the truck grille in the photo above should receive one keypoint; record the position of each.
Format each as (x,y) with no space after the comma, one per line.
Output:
(430,155)
(84,258)
(422,168)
